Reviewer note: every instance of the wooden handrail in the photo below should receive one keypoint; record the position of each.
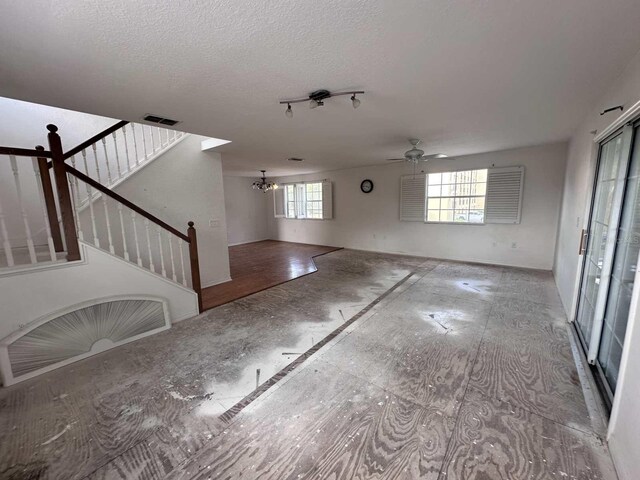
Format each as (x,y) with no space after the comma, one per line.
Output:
(24,152)
(110,193)
(94,139)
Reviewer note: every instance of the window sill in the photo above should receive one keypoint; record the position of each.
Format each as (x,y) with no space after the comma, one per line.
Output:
(456,223)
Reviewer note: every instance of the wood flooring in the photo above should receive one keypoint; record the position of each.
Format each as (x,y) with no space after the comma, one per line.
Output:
(374,367)
(257,266)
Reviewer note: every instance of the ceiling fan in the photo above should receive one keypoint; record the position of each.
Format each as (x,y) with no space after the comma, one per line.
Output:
(416,155)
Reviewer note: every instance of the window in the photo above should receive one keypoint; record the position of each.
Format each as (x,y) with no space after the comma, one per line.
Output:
(456,197)
(313,203)
(306,200)
(289,201)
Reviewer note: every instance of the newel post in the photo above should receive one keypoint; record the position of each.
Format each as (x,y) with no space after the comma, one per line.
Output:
(50,202)
(195,264)
(64,196)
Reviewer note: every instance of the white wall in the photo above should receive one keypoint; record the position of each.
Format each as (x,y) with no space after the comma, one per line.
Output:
(186,184)
(625,425)
(247,210)
(371,221)
(29,295)
(579,176)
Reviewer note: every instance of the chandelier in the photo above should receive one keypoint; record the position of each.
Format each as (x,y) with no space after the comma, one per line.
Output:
(263,185)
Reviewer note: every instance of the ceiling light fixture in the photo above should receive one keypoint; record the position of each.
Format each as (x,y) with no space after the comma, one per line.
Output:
(263,185)
(316,99)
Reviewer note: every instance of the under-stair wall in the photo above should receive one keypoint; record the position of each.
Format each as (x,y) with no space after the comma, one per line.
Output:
(42,292)
(186,179)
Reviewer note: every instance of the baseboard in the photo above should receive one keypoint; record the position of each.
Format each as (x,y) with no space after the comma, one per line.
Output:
(409,254)
(186,316)
(228,279)
(248,241)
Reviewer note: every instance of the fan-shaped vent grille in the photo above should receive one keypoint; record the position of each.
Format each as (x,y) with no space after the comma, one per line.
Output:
(72,335)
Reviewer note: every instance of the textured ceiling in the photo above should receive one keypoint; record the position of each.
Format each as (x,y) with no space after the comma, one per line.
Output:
(466,76)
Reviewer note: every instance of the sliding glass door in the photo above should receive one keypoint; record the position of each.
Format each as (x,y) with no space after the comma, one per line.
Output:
(611,255)
(623,274)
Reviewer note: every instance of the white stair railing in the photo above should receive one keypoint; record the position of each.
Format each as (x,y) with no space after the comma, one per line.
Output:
(116,156)
(116,228)
(61,221)
(26,237)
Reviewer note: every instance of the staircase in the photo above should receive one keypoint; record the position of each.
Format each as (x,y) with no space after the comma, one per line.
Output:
(64,213)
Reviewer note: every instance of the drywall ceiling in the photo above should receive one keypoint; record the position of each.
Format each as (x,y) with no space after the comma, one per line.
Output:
(466,76)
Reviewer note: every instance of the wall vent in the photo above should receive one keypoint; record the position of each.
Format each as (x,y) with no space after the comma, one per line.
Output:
(160,120)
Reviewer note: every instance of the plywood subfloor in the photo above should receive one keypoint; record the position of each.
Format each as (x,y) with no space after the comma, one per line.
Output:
(432,369)
(259,265)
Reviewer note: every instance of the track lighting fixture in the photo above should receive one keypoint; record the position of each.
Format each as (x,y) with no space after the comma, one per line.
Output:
(316,99)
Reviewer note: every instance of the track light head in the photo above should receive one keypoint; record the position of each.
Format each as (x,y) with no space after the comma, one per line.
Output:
(355,101)
(315,103)
(288,112)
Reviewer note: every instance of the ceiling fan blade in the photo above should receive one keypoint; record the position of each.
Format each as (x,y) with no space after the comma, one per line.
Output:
(396,159)
(435,155)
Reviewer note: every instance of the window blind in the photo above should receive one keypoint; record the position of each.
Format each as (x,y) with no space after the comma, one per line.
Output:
(504,195)
(413,198)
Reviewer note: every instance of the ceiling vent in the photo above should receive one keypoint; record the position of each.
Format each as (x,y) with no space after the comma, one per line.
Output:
(160,120)
(295,159)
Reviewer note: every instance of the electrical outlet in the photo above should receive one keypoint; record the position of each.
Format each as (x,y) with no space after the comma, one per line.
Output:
(214,222)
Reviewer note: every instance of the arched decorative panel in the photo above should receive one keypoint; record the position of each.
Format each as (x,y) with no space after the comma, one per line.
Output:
(77,333)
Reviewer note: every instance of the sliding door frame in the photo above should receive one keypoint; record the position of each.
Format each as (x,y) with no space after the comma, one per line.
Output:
(627,131)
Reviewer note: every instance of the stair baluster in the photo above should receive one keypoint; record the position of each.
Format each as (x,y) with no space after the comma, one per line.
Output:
(6,244)
(173,265)
(184,277)
(144,143)
(96,240)
(108,223)
(124,235)
(115,148)
(73,183)
(146,227)
(153,143)
(36,171)
(126,148)
(23,212)
(135,238)
(135,144)
(162,267)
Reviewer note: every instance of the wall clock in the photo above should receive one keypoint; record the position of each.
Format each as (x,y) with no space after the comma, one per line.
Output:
(366,186)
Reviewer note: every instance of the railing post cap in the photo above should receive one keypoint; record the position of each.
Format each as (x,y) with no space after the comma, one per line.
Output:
(52,128)
(39,147)
(190,224)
